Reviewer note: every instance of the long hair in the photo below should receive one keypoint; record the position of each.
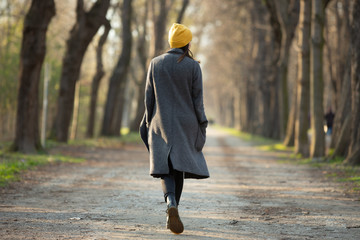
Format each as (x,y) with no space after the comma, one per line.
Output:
(186,53)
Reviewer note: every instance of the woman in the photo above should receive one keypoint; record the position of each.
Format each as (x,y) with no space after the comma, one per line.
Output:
(174,124)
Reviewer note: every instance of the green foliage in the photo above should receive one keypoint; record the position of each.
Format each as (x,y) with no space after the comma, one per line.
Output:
(11,164)
(275,147)
(9,65)
(255,139)
(331,151)
(348,175)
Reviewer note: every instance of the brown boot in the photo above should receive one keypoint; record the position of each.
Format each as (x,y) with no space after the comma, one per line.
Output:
(173,220)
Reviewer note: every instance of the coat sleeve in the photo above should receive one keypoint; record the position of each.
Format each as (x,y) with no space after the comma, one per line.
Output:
(149,96)
(149,107)
(197,96)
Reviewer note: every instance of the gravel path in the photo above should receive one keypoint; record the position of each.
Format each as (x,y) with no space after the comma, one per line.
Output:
(111,196)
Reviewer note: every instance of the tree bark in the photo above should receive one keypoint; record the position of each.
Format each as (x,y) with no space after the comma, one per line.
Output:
(317,147)
(33,50)
(273,84)
(303,80)
(288,15)
(184,5)
(86,26)
(290,130)
(160,25)
(343,141)
(354,149)
(342,70)
(96,80)
(116,94)
(259,70)
(143,54)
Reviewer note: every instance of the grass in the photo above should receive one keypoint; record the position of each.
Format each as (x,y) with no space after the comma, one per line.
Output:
(12,164)
(336,170)
(262,143)
(257,140)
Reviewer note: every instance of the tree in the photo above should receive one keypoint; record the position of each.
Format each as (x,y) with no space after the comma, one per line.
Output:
(96,80)
(160,21)
(354,148)
(342,126)
(11,27)
(290,128)
(317,147)
(341,83)
(288,15)
(83,31)
(184,5)
(303,80)
(275,122)
(261,122)
(115,97)
(143,54)
(33,49)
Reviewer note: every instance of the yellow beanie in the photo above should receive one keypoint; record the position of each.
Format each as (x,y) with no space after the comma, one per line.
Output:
(179,36)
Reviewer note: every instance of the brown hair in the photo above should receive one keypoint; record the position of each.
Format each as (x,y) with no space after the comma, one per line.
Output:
(186,53)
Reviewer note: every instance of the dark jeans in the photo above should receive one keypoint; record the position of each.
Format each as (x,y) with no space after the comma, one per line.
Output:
(173,183)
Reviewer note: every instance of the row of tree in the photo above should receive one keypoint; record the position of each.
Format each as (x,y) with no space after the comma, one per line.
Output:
(278,48)
(87,24)
(270,67)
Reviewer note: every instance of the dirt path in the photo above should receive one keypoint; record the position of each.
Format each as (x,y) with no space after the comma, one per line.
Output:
(111,196)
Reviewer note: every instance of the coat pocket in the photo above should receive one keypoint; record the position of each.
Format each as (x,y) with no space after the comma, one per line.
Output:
(200,139)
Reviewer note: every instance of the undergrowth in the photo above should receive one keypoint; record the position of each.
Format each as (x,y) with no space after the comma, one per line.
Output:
(13,163)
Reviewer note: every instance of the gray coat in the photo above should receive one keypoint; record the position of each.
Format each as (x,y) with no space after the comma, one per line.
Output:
(174,123)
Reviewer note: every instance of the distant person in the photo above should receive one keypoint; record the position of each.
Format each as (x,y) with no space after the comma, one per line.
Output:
(329,117)
(174,124)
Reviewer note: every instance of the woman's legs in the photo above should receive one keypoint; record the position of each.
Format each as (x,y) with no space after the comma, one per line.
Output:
(169,186)
(179,183)
(172,185)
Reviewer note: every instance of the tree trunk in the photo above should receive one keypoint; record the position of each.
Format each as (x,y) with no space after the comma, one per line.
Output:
(303,80)
(143,54)
(290,130)
(339,140)
(343,141)
(317,147)
(342,69)
(272,82)
(343,45)
(140,108)
(75,116)
(182,11)
(160,25)
(116,94)
(96,80)
(354,149)
(259,69)
(86,26)
(288,15)
(33,50)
